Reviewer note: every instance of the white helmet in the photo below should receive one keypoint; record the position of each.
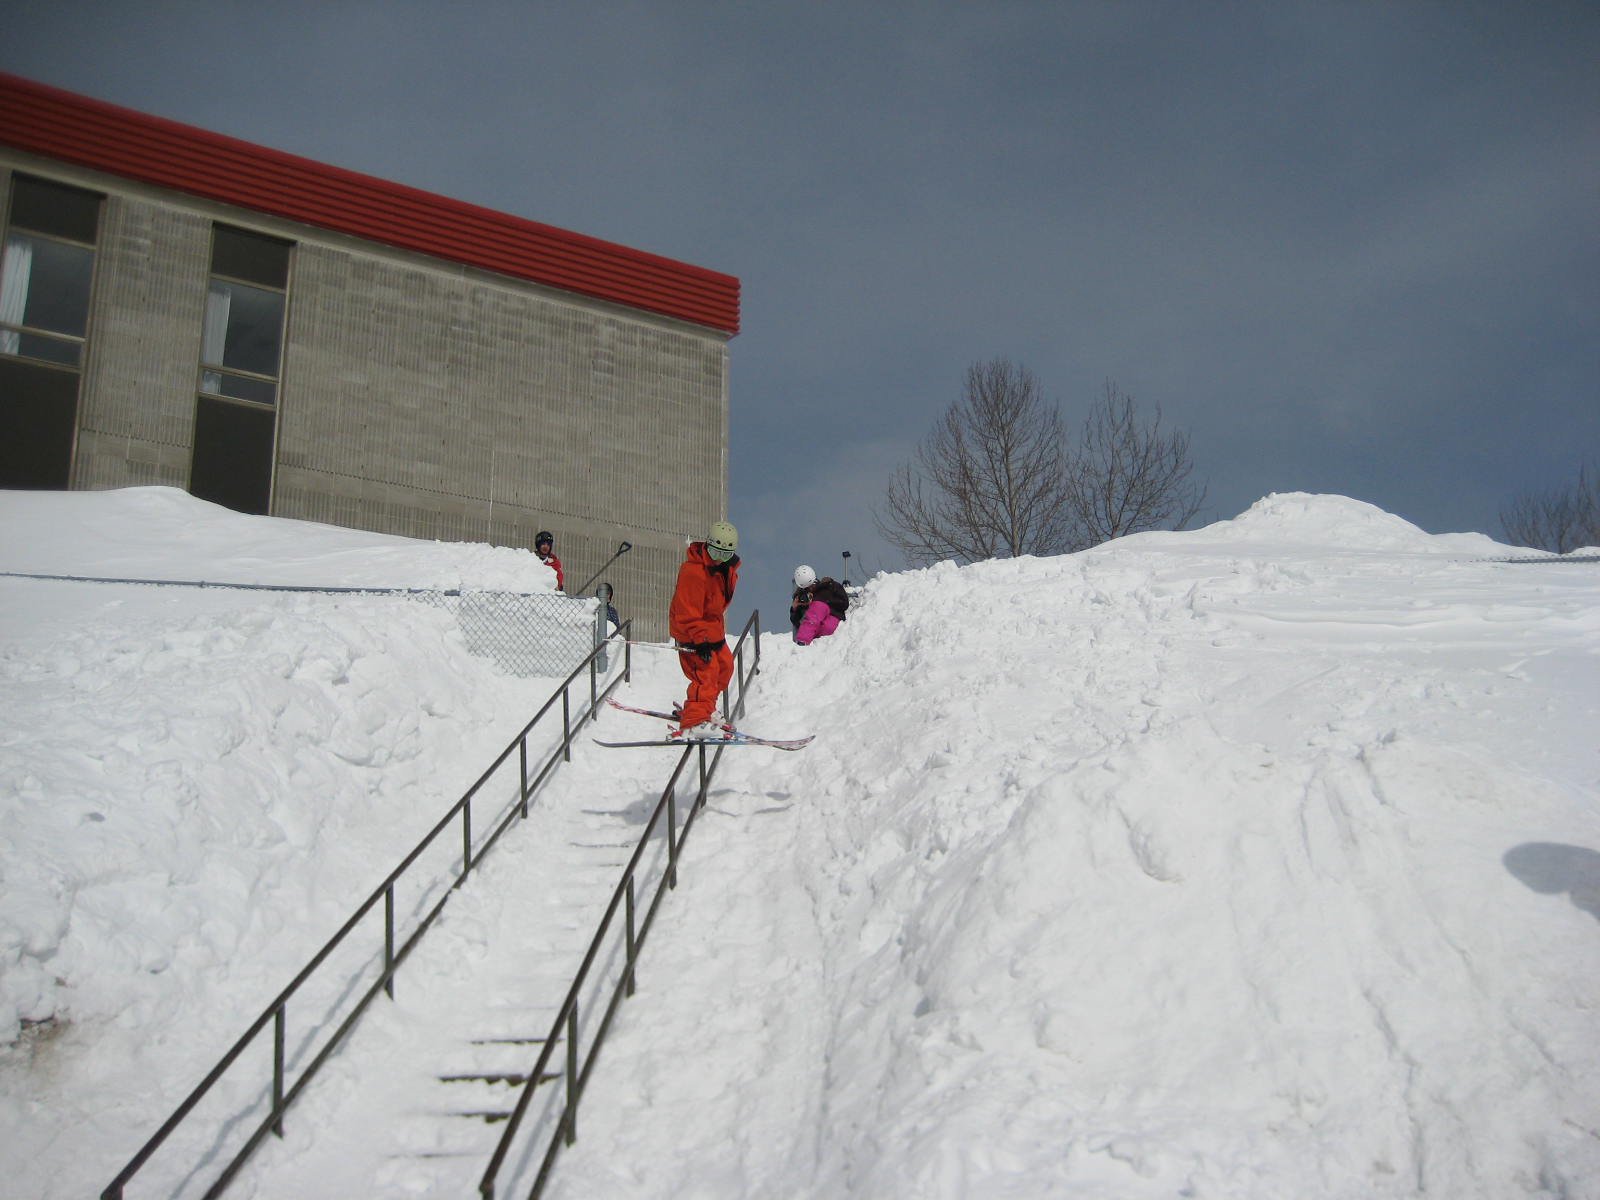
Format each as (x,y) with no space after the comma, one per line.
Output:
(804,576)
(722,541)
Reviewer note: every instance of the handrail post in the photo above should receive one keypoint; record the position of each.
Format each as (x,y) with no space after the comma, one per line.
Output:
(522,763)
(672,835)
(572,1074)
(566,725)
(633,945)
(388,940)
(277,1071)
(466,842)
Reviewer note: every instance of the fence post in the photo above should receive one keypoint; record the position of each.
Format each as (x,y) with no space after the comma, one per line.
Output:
(277,1071)
(566,725)
(572,1074)
(388,940)
(672,835)
(633,947)
(522,762)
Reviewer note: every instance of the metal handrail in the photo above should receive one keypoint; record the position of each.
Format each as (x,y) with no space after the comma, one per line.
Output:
(276,1011)
(564,1029)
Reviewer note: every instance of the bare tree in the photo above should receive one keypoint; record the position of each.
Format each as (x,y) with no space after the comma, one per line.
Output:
(1559,520)
(989,481)
(1126,477)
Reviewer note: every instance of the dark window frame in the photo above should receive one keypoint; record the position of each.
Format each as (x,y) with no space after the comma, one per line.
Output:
(233,457)
(275,280)
(36,224)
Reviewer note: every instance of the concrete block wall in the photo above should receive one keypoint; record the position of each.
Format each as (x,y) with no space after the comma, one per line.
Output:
(136,409)
(437,402)
(416,397)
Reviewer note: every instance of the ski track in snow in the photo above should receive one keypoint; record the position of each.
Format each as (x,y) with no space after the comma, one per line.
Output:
(1257,861)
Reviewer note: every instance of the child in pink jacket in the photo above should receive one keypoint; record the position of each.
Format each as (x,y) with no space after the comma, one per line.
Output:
(820,603)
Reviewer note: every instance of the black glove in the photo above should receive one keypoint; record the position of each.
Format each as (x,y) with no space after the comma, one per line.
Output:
(704,650)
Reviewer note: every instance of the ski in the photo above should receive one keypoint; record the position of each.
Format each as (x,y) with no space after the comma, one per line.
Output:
(648,712)
(735,737)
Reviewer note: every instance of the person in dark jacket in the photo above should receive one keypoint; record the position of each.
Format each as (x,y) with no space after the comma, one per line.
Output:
(612,619)
(817,607)
(706,579)
(805,580)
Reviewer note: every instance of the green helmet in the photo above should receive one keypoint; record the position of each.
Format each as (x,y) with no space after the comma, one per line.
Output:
(722,541)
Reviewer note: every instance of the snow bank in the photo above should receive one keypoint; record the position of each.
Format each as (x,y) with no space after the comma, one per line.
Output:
(1255,861)
(1194,865)
(164,533)
(198,786)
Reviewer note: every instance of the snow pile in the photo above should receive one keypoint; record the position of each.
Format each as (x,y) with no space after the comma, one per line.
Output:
(1260,861)
(186,775)
(164,533)
(1257,861)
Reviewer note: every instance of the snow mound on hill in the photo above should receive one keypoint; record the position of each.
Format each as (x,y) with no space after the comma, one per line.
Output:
(184,771)
(1193,865)
(1307,520)
(165,533)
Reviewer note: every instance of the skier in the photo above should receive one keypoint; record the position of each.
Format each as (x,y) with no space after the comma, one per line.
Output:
(544,547)
(706,580)
(817,607)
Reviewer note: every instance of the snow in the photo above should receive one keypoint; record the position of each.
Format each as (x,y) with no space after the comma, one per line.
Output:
(1256,861)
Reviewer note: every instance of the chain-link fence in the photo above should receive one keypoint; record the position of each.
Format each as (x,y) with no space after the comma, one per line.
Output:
(524,633)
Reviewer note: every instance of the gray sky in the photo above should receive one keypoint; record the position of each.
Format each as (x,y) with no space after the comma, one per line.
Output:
(1350,246)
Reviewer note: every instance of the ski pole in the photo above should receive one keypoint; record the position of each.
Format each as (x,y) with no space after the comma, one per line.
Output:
(621,550)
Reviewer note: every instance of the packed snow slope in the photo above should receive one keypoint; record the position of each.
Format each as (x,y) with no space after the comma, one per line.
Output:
(197,787)
(1256,861)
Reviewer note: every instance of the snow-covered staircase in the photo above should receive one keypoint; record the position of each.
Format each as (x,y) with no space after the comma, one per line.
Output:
(434,1092)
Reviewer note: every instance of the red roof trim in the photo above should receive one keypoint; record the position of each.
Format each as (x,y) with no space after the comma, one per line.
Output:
(58,124)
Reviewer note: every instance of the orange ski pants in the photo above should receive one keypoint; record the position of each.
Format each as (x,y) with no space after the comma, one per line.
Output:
(706,682)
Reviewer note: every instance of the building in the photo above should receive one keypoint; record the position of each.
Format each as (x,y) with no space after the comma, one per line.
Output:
(285,337)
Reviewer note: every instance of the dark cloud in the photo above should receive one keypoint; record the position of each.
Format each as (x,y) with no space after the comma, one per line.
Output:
(1352,247)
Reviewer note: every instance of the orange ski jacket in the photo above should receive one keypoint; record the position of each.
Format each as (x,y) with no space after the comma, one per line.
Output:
(701,598)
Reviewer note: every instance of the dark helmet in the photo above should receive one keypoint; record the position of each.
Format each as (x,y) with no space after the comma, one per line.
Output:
(543,538)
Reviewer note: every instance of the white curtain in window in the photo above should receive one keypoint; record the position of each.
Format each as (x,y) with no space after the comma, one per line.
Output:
(219,302)
(15,271)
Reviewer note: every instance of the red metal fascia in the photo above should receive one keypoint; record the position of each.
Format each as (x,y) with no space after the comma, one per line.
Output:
(58,124)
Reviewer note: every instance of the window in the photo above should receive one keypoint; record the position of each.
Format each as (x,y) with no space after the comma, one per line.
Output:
(241,345)
(244,316)
(46,268)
